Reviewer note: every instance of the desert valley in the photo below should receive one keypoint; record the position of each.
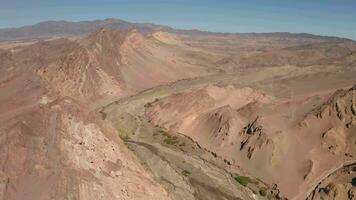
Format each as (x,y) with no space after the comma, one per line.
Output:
(109,109)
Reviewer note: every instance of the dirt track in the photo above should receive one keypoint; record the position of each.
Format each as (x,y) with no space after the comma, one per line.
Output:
(325,175)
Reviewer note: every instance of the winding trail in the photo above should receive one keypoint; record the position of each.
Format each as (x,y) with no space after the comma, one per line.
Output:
(325,175)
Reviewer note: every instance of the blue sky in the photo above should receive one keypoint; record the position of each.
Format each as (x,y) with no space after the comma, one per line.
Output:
(325,17)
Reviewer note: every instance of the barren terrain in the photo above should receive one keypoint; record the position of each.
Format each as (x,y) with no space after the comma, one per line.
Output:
(171,114)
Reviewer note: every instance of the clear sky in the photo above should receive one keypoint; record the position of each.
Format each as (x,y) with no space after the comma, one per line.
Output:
(325,17)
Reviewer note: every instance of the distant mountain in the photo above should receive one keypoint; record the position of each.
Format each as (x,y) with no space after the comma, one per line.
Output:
(64,29)
(281,35)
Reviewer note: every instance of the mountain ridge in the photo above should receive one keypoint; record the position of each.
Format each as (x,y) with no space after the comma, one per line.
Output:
(62,28)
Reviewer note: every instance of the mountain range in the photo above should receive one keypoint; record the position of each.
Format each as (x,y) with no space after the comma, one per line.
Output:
(50,29)
(115,110)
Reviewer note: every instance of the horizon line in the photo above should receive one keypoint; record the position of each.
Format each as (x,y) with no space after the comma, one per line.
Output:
(172,27)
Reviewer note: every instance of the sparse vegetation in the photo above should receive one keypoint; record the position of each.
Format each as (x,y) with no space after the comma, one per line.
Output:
(182,144)
(263,192)
(170,141)
(149,104)
(123,130)
(243,180)
(164,133)
(353,181)
(125,138)
(103,115)
(130,146)
(186,173)
(167,135)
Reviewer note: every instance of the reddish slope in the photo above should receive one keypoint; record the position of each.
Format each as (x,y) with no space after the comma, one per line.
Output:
(264,142)
(215,117)
(52,147)
(107,63)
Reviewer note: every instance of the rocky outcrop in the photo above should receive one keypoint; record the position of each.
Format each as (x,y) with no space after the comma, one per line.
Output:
(338,117)
(341,105)
(58,150)
(253,137)
(220,125)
